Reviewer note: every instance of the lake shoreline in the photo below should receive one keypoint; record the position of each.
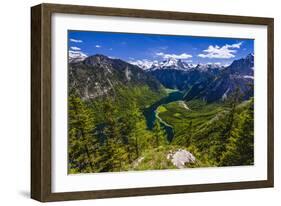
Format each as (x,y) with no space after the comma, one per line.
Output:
(151,114)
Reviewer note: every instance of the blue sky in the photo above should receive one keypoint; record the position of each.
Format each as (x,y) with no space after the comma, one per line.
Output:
(132,47)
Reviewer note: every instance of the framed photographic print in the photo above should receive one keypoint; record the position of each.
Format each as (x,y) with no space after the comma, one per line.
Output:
(132,102)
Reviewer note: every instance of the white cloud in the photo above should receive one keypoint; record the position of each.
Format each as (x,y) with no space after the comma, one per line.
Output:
(225,52)
(75,48)
(175,56)
(98,46)
(76,40)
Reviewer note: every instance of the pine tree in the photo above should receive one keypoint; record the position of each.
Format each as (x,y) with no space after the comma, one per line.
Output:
(228,127)
(159,135)
(114,149)
(240,149)
(189,134)
(134,131)
(82,142)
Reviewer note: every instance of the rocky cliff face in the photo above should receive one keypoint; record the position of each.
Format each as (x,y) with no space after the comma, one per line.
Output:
(98,75)
(239,75)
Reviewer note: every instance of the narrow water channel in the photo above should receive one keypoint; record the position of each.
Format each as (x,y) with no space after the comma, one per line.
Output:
(150,113)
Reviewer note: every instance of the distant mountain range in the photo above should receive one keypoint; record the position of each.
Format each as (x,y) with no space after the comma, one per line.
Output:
(98,75)
(173,63)
(239,75)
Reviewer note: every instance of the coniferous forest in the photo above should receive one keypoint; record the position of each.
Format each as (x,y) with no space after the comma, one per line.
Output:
(123,116)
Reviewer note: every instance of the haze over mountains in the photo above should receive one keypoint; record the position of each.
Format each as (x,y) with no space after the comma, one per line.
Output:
(97,75)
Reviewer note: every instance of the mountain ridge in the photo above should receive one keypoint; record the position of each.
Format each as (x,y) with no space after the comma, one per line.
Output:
(98,75)
(173,63)
(238,75)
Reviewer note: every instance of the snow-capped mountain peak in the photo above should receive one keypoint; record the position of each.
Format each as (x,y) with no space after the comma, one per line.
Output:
(143,64)
(174,64)
(169,63)
(209,66)
(76,56)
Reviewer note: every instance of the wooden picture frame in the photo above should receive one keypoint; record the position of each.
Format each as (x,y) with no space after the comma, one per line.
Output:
(41,116)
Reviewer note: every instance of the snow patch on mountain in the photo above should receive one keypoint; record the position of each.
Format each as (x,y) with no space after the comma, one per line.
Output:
(76,56)
(248,77)
(143,64)
(170,63)
(209,66)
(173,63)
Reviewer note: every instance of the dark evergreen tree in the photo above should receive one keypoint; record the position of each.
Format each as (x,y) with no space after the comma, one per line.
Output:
(159,135)
(240,148)
(228,127)
(114,152)
(82,142)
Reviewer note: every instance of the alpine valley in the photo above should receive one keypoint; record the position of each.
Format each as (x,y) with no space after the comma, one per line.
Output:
(148,115)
